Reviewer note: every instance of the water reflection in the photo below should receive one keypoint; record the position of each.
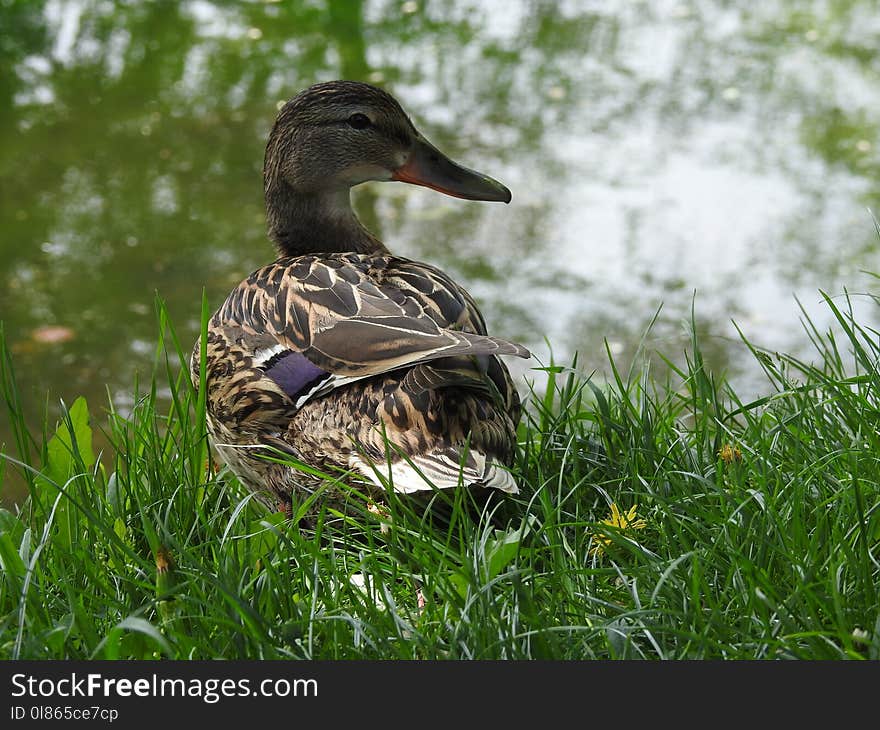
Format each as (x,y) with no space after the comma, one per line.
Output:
(653,149)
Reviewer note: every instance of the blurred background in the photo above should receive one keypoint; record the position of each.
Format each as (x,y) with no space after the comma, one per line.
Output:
(661,152)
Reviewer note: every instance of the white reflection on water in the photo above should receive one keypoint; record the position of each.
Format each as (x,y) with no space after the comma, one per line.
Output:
(679,168)
(654,149)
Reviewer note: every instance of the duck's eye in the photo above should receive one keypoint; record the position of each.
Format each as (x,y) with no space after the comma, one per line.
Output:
(359,121)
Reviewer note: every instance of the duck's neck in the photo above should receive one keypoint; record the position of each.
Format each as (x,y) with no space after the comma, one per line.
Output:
(316,223)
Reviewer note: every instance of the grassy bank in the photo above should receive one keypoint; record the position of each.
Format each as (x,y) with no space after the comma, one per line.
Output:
(658,520)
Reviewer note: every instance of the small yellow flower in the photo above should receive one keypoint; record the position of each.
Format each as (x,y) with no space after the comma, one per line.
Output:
(623,522)
(730,454)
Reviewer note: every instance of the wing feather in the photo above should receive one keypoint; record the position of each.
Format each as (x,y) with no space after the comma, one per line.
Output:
(339,314)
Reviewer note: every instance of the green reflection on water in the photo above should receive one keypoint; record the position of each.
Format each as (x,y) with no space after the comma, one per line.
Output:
(132,142)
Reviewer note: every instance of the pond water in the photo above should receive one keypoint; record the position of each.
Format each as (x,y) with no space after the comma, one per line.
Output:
(717,153)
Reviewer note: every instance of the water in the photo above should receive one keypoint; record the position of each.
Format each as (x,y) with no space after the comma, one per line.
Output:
(720,154)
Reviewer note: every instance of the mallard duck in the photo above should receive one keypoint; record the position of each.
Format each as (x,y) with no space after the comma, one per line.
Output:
(341,354)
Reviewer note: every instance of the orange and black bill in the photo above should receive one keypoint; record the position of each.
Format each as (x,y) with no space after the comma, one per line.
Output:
(429,167)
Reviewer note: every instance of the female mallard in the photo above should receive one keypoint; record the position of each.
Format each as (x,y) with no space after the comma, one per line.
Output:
(341,354)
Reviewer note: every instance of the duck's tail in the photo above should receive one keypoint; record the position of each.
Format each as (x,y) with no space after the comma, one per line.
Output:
(437,470)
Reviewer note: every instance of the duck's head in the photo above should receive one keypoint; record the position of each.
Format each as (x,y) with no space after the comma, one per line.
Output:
(338,134)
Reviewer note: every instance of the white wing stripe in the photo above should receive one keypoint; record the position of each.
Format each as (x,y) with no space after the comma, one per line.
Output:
(437,470)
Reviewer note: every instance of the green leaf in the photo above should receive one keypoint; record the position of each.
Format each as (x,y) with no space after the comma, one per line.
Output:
(68,452)
(56,638)
(10,561)
(115,497)
(460,583)
(264,536)
(24,546)
(72,439)
(138,626)
(121,531)
(119,528)
(502,549)
(499,552)
(11,524)
(71,446)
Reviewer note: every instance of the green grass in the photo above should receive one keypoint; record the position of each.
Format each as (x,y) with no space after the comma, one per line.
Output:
(760,538)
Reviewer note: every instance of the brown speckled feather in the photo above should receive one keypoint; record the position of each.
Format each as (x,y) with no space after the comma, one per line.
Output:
(357,315)
(405,348)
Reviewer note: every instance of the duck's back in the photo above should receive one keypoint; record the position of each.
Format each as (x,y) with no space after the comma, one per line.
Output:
(367,363)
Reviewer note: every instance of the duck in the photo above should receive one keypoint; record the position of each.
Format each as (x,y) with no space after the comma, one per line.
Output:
(340,356)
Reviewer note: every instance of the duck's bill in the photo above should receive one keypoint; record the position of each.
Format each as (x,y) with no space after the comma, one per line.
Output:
(429,167)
